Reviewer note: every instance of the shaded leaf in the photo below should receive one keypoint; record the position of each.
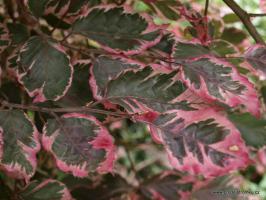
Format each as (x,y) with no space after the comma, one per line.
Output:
(46,190)
(79,144)
(108,187)
(253,130)
(18,144)
(256,57)
(79,94)
(238,34)
(18,33)
(118,30)
(4,37)
(169,185)
(44,69)
(165,9)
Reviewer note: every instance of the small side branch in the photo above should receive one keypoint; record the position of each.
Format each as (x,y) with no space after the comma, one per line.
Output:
(257,15)
(61,110)
(206,7)
(245,18)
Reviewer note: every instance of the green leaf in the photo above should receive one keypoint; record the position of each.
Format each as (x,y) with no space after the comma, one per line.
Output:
(18,144)
(4,37)
(253,130)
(117,29)
(238,35)
(18,33)
(37,7)
(44,69)
(47,190)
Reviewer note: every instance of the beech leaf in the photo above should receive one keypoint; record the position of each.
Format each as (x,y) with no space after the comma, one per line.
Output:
(79,144)
(44,69)
(19,144)
(118,30)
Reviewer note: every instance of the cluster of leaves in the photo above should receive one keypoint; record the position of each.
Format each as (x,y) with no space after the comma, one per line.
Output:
(70,70)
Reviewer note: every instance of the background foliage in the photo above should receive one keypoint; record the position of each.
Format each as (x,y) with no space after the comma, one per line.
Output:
(122,99)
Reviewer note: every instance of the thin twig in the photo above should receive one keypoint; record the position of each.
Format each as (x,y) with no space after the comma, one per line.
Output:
(257,15)
(245,18)
(61,110)
(206,7)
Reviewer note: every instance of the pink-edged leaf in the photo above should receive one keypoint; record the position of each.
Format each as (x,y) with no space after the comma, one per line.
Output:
(19,144)
(263,5)
(4,37)
(44,69)
(118,30)
(79,144)
(169,185)
(256,57)
(217,80)
(146,90)
(200,142)
(47,190)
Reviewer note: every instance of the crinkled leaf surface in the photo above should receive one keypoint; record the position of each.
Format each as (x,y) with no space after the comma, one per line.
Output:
(253,130)
(138,91)
(47,190)
(200,142)
(79,144)
(44,69)
(214,79)
(117,30)
(18,144)
(256,56)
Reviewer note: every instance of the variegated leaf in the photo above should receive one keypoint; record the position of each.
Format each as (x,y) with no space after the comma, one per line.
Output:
(137,91)
(256,57)
(79,144)
(118,30)
(200,142)
(169,185)
(44,69)
(47,190)
(215,79)
(4,37)
(19,144)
